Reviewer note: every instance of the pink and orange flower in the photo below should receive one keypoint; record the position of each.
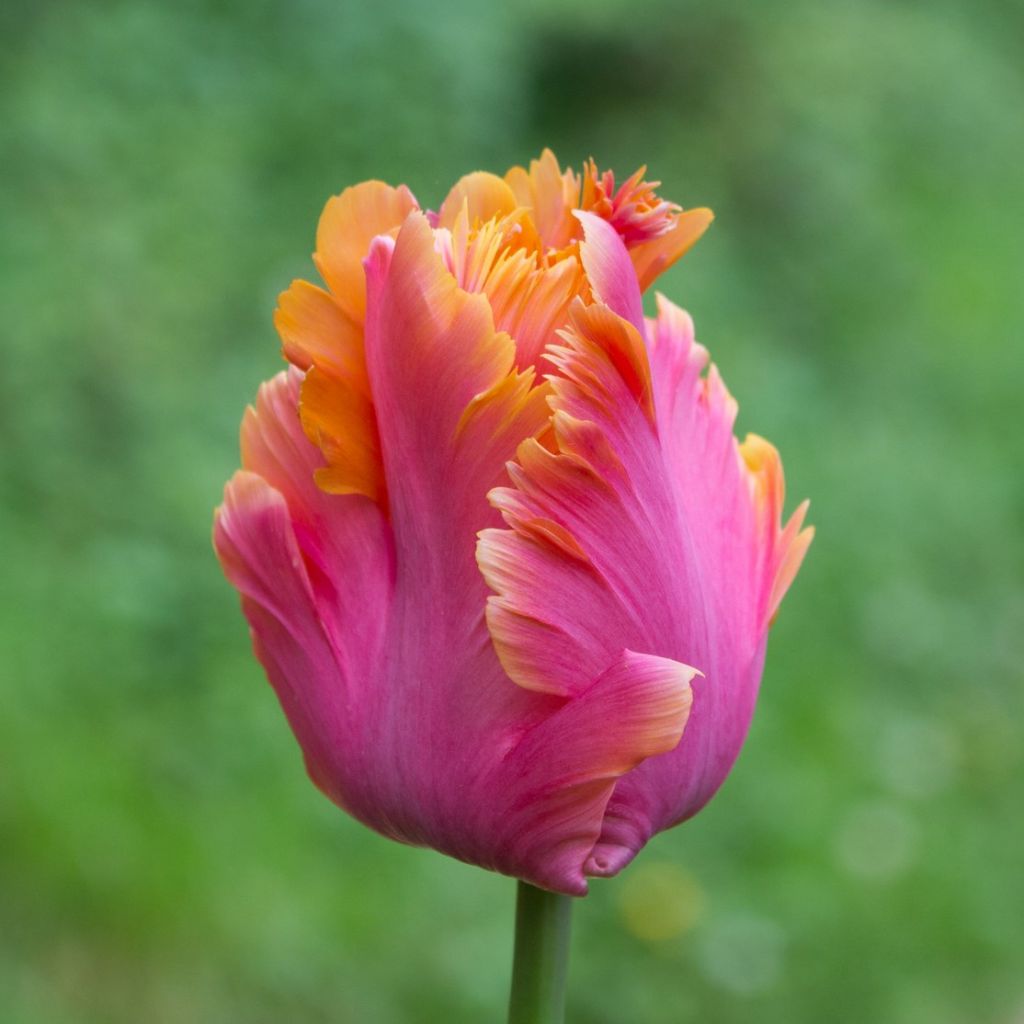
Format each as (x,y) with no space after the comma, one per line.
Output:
(503,559)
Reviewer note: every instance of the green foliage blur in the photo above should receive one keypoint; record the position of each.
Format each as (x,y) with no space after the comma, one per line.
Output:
(162,165)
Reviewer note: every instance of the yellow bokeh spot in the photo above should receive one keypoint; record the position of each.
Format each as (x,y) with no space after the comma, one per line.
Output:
(659,901)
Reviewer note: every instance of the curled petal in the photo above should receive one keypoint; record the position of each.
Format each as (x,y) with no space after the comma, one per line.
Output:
(768,487)
(560,777)
(547,624)
(256,544)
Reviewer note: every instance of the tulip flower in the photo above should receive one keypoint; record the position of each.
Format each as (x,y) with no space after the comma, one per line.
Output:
(502,557)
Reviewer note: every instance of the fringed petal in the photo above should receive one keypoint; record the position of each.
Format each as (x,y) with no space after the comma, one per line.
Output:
(551,195)
(644,529)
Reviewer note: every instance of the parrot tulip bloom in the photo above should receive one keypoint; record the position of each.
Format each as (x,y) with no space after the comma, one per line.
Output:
(504,562)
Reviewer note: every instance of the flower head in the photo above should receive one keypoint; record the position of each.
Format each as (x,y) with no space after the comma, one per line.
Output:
(495,539)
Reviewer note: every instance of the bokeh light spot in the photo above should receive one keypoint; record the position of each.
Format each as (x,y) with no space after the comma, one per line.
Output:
(659,901)
(877,840)
(743,954)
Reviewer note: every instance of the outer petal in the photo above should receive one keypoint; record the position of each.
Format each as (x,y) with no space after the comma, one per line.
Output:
(452,409)
(349,223)
(256,543)
(561,775)
(647,532)
(314,570)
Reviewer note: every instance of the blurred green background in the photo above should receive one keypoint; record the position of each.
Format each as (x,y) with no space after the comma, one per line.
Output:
(162,856)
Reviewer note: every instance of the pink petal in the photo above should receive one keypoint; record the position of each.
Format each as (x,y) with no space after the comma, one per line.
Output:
(338,535)
(645,530)
(314,573)
(563,772)
(609,268)
(258,550)
(431,352)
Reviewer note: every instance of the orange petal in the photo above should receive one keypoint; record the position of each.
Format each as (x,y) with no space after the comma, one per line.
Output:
(767,484)
(486,196)
(528,301)
(603,343)
(348,224)
(338,417)
(552,196)
(314,330)
(650,259)
(794,543)
(764,474)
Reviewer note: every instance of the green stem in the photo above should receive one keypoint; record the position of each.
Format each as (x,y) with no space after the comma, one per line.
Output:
(541,960)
